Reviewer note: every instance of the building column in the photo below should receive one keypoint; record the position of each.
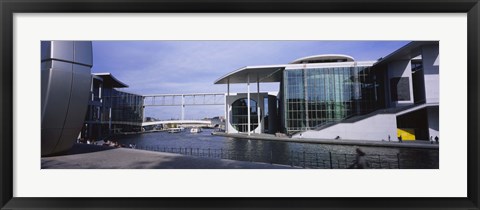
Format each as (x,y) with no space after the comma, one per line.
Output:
(227,108)
(305,91)
(258,105)
(248,103)
(91,89)
(143,109)
(100,91)
(431,65)
(110,120)
(183,107)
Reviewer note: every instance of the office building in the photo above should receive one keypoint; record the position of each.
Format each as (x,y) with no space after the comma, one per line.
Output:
(335,96)
(110,110)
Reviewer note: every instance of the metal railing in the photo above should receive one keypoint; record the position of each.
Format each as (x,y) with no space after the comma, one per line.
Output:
(320,160)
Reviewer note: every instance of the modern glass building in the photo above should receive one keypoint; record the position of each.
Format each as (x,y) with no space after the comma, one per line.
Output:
(316,96)
(335,96)
(110,110)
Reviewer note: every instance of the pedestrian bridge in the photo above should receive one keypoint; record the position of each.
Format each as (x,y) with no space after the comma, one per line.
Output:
(182,100)
(186,123)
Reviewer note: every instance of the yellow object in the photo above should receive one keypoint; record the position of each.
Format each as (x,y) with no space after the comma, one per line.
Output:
(172,125)
(408,134)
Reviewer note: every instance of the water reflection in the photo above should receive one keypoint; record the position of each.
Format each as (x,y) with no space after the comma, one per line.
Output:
(285,153)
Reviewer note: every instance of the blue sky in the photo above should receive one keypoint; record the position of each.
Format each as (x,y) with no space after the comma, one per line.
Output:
(163,67)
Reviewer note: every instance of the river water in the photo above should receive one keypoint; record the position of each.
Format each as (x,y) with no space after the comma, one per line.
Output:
(286,153)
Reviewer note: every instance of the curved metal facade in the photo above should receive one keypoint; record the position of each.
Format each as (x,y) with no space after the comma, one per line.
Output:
(66,79)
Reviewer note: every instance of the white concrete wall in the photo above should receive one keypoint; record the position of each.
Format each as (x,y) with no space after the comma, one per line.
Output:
(401,68)
(375,128)
(253,96)
(431,66)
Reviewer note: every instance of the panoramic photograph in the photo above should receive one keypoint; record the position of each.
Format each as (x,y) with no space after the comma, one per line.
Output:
(240,104)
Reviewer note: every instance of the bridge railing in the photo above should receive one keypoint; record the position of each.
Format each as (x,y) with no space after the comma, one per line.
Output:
(302,159)
(184,99)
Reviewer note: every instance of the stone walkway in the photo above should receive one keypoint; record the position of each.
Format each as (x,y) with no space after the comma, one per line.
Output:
(84,156)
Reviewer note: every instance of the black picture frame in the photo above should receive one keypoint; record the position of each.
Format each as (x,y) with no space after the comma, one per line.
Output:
(10,7)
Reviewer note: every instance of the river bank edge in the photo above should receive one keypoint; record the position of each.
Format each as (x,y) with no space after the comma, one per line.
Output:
(351,142)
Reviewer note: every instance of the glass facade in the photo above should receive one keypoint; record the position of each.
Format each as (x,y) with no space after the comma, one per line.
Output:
(316,96)
(111,111)
(126,107)
(239,119)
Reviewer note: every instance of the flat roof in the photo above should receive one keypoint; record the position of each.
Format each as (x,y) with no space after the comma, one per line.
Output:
(270,73)
(273,73)
(110,81)
(324,57)
(407,52)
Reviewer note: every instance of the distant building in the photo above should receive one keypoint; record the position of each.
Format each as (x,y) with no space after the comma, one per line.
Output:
(335,96)
(110,110)
(150,119)
(216,122)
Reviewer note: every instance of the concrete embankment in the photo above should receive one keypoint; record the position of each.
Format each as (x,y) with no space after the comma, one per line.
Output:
(85,156)
(269,137)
